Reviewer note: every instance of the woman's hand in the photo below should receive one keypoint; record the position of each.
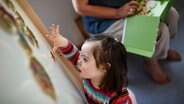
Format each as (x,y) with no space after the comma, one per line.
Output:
(56,37)
(128,9)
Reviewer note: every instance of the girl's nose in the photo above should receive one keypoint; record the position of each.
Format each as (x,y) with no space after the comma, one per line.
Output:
(79,63)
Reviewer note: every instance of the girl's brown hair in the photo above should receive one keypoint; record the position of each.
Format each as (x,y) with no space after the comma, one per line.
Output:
(113,52)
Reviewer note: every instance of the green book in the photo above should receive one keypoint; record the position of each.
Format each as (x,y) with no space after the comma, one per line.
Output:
(139,38)
(140,31)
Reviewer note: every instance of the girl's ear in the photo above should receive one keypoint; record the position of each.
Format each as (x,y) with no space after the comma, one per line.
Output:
(108,65)
(105,67)
(102,68)
(104,71)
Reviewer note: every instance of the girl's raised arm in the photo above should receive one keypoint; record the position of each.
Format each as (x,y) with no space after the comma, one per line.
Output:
(56,37)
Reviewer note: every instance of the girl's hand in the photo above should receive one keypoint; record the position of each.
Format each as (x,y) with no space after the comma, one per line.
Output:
(128,9)
(56,37)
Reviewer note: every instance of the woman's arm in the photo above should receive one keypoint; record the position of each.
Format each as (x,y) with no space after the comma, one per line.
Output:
(83,8)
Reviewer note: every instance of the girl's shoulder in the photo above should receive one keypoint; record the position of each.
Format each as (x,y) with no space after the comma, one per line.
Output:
(94,94)
(121,98)
(97,95)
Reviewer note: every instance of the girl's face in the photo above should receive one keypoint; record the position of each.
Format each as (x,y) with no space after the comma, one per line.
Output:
(87,64)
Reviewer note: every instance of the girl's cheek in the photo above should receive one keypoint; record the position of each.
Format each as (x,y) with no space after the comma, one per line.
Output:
(81,68)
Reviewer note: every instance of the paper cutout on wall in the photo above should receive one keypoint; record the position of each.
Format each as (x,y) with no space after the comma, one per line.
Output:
(42,77)
(23,42)
(10,5)
(19,20)
(51,56)
(29,34)
(7,21)
(12,21)
(25,30)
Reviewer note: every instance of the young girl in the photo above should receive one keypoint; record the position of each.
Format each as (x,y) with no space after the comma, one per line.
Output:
(102,65)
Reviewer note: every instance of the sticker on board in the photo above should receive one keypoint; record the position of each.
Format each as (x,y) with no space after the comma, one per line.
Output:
(42,77)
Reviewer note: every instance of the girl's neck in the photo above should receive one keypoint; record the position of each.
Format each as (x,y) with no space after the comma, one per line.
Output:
(95,83)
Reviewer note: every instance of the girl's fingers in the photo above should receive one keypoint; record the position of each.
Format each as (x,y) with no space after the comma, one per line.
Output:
(54,30)
(53,25)
(51,30)
(54,49)
(49,37)
(57,29)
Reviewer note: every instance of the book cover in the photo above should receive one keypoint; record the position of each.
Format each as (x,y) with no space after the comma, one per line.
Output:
(140,31)
(139,38)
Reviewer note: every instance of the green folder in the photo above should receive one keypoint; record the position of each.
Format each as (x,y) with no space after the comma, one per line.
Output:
(139,38)
(140,31)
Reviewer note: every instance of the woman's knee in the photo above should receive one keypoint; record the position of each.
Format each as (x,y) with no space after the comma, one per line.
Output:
(163,30)
(174,13)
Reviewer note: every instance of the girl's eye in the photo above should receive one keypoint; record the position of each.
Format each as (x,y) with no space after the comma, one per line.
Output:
(82,57)
(85,60)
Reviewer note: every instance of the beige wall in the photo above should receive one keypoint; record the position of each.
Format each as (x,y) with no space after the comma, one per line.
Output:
(59,12)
